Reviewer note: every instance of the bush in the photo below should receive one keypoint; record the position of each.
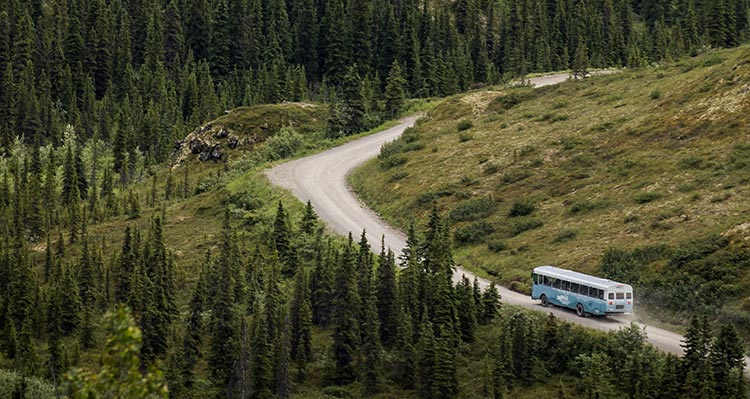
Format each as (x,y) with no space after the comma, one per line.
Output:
(464,125)
(497,246)
(431,196)
(655,94)
(490,167)
(475,232)
(283,144)
(515,175)
(393,161)
(397,176)
(521,208)
(464,137)
(522,225)
(646,197)
(472,209)
(565,235)
(582,206)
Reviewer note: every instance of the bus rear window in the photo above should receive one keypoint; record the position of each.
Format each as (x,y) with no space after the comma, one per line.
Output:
(611,295)
(629,295)
(620,295)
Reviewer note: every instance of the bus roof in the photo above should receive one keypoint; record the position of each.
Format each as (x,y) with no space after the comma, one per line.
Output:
(580,278)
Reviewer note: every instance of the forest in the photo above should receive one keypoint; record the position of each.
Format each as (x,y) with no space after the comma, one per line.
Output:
(95,96)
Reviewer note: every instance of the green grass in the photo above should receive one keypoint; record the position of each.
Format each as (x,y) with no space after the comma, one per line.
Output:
(603,159)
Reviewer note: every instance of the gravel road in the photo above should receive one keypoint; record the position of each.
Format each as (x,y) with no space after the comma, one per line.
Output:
(321,178)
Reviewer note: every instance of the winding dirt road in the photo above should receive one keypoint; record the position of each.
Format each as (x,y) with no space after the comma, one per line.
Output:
(321,178)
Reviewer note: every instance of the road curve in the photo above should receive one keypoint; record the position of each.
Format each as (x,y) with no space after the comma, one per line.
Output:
(321,178)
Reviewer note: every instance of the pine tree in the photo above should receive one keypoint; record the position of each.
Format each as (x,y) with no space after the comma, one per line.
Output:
(490,304)
(466,310)
(385,291)
(261,368)
(395,91)
(334,41)
(224,323)
(727,361)
(309,221)
(405,366)
(301,324)
(346,334)
(219,48)
(370,347)
(353,102)
(426,360)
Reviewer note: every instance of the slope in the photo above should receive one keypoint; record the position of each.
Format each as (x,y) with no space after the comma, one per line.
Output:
(561,175)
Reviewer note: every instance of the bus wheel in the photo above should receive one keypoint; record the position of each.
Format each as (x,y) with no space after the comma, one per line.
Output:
(544,300)
(579,310)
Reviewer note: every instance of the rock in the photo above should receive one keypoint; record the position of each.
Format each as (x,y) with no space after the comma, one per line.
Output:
(233,141)
(221,134)
(264,127)
(178,145)
(198,146)
(211,153)
(216,153)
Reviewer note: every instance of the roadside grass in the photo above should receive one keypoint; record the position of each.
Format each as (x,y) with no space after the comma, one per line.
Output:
(604,162)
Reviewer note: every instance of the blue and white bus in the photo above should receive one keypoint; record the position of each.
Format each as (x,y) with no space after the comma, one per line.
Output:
(586,294)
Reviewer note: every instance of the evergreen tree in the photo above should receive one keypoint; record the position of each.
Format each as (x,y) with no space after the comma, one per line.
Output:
(346,334)
(395,92)
(385,291)
(490,304)
(466,310)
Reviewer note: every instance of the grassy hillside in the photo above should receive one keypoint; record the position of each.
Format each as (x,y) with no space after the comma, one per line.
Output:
(655,157)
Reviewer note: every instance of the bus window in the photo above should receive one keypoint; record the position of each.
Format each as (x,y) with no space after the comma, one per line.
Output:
(565,285)
(574,287)
(586,290)
(629,295)
(620,295)
(556,283)
(600,294)
(547,281)
(611,295)
(534,278)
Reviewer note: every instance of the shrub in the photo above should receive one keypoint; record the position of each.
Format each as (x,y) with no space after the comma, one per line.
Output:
(464,125)
(497,246)
(397,176)
(565,235)
(283,144)
(521,208)
(655,94)
(472,209)
(431,196)
(582,206)
(490,167)
(515,175)
(522,225)
(464,137)
(646,197)
(739,158)
(393,161)
(474,232)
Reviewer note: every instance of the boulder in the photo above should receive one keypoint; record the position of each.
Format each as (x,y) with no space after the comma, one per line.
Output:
(216,153)
(221,134)
(198,146)
(233,142)
(178,145)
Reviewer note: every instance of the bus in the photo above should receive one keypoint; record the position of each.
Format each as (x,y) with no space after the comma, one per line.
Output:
(586,294)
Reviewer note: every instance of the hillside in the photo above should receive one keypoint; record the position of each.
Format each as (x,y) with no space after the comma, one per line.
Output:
(649,158)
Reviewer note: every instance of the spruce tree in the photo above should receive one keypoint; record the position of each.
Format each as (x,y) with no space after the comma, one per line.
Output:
(466,310)
(346,333)
(385,292)
(490,304)
(395,91)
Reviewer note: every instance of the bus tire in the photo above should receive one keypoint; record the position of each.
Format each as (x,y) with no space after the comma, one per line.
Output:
(544,300)
(580,311)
